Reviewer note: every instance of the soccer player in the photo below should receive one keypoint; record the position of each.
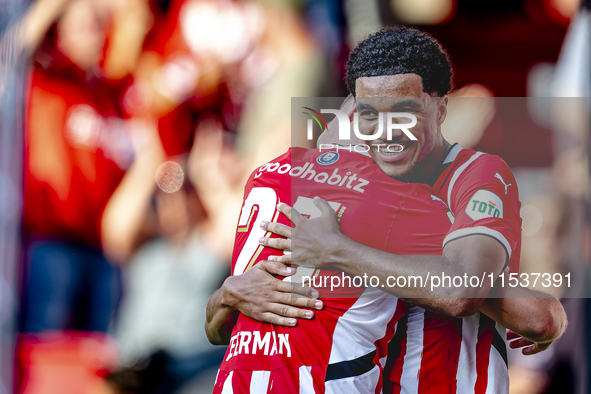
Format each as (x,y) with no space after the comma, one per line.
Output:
(350,334)
(343,349)
(413,72)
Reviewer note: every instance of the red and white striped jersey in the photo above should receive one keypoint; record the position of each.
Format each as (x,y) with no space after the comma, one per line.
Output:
(439,354)
(344,348)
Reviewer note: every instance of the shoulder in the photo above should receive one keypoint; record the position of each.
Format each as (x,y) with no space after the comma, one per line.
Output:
(475,171)
(477,167)
(484,169)
(274,168)
(468,159)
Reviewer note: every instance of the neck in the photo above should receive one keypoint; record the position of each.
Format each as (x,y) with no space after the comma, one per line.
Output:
(426,171)
(442,152)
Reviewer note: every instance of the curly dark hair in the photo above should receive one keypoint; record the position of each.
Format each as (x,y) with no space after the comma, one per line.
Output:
(394,51)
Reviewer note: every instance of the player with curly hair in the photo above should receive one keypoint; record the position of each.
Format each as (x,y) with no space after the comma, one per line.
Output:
(448,341)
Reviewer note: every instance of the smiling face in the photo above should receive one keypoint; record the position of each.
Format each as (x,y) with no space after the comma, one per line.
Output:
(402,93)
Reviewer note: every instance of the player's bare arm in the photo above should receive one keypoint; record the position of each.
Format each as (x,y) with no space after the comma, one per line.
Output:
(258,295)
(536,319)
(219,320)
(320,242)
(508,307)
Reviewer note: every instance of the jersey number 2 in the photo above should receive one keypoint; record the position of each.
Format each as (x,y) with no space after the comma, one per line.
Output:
(264,201)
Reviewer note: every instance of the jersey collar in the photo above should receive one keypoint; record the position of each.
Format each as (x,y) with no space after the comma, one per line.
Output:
(449,157)
(452,154)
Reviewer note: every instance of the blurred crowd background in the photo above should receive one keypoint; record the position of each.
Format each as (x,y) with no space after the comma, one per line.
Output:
(128,129)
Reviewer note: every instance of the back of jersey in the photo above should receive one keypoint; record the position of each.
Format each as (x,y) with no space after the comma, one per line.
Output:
(344,347)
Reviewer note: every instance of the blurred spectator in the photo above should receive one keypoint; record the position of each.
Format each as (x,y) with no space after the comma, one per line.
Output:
(189,66)
(77,148)
(167,284)
(76,151)
(162,229)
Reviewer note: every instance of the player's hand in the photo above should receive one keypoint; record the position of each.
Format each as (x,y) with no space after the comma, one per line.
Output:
(529,347)
(313,240)
(260,296)
(278,243)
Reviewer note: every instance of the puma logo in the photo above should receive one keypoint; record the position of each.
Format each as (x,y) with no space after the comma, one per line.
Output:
(500,178)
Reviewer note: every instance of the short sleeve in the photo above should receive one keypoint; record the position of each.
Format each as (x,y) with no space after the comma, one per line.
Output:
(484,200)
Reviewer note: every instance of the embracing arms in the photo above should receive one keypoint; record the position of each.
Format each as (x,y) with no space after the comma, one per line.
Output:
(534,315)
(537,317)
(259,295)
(318,242)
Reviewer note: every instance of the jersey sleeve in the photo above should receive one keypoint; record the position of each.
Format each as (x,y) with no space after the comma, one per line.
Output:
(484,200)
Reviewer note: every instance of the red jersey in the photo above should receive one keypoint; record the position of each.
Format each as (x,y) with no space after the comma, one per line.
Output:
(343,349)
(201,45)
(76,151)
(440,354)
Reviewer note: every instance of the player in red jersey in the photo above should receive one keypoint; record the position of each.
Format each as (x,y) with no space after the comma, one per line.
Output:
(318,355)
(483,239)
(482,193)
(77,149)
(344,348)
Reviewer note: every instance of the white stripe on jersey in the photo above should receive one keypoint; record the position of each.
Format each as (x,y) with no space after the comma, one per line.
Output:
(372,311)
(306,382)
(478,230)
(259,382)
(457,174)
(409,381)
(228,389)
(498,376)
(466,374)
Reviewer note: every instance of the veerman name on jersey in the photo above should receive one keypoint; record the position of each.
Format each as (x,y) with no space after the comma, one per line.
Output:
(348,180)
(251,342)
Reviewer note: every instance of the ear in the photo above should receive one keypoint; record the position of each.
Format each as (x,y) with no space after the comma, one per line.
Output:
(442,109)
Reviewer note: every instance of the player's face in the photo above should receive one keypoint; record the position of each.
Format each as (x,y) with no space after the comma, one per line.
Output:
(402,93)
